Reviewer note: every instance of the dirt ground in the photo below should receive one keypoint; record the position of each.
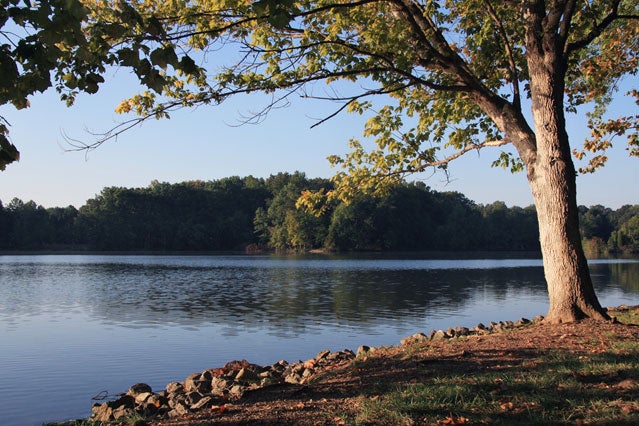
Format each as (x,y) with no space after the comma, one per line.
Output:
(339,389)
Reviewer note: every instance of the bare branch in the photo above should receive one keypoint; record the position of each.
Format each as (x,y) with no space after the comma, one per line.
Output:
(514,77)
(350,100)
(461,152)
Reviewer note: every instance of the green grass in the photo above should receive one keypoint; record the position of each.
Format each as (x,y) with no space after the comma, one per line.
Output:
(563,388)
(627,317)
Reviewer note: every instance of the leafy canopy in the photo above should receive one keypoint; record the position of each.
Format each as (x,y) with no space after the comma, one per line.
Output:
(435,78)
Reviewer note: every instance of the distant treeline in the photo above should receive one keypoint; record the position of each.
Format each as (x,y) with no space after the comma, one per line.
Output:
(238,213)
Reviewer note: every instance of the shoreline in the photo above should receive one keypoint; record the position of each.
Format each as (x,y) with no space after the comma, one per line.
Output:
(215,393)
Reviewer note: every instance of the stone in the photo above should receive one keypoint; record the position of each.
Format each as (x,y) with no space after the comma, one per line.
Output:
(142,397)
(268,381)
(122,411)
(219,386)
(522,321)
(180,409)
(440,335)
(363,350)
(139,388)
(237,390)
(208,375)
(462,331)
(415,338)
(174,387)
(126,401)
(205,402)
(102,413)
(194,383)
(193,398)
(176,399)
(246,375)
(323,354)
(157,400)
(149,409)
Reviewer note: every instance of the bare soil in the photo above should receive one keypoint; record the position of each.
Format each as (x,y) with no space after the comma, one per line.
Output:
(336,393)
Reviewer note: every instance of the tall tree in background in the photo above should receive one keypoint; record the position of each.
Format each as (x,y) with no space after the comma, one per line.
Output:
(439,79)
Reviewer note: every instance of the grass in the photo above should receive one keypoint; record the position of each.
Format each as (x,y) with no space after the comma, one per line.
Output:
(559,388)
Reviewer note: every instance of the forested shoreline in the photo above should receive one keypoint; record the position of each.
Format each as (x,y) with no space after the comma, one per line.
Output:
(238,214)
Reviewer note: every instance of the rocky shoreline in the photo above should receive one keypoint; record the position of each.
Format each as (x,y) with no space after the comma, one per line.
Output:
(214,388)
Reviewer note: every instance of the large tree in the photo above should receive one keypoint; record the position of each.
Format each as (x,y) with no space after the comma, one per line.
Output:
(439,79)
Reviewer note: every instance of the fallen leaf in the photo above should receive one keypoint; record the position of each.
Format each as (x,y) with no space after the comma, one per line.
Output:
(218,409)
(339,422)
(507,406)
(452,420)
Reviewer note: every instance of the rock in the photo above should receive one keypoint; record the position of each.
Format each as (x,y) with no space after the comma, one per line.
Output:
(237,390)
(174,387)
(139,388)
(246,375)
(102,413)
(157,400)
(208,375)
(219,386)
(176,399)
(195,383)
(193,398)
(205,402)
(126,401)
(268,381)
(462,331)
(122,411)
(363,350)
(180,409)
(142,397)
(148,409)
(415,338)
(323,354)
(440,335)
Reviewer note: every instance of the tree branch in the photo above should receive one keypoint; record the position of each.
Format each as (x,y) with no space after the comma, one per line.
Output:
(596,31)
(461,152)
(514,76)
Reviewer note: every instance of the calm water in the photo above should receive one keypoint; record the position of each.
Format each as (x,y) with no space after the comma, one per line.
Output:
(73,326)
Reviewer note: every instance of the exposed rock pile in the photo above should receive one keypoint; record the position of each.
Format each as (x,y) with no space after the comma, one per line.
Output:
(479,330)
(213,388)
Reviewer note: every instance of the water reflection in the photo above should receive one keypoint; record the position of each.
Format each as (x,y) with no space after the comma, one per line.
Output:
(275,293)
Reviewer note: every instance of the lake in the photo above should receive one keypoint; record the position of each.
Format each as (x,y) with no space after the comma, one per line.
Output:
(72,326)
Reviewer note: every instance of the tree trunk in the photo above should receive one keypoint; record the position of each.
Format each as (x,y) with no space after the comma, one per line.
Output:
(570,289)
(552,178)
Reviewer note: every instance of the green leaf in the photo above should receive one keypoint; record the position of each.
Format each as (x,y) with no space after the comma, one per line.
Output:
(8,152)
(128,57)
(187,65)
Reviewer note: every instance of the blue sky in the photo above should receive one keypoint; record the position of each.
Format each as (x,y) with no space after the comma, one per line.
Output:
(207,143)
